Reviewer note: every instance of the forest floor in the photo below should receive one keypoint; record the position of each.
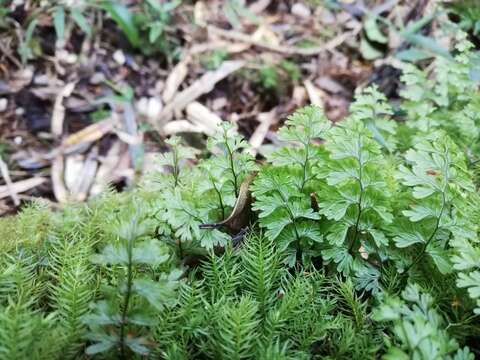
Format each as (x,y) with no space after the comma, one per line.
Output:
(89,90)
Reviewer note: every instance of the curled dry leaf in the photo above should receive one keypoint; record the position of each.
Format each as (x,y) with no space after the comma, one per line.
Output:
(73,167)
(108,164)
(86,177)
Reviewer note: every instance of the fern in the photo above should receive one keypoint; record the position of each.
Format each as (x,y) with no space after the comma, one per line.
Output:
(355,200)
(417,331)
(438,179)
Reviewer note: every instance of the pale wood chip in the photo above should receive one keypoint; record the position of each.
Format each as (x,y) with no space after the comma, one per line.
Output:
(21,186)
(266,120)
(259,6)
(175,79)
(201,86)
(58,114)
(314,93)
(181,126)
(8,181)
(202,116)
(58,184)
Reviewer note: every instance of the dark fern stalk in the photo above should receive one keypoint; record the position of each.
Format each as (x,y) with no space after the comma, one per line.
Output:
(232,165)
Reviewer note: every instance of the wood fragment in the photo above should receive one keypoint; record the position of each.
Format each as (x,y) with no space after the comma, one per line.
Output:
(258,136)
(282,49)
(58,114)
(8,182)
(203,117)
(313,93)
(201,86)
(21,186)
(58,184)
(175,78)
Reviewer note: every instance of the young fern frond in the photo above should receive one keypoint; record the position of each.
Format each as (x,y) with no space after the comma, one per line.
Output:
(230,157)
(117,323)
(372,108)
(175,158)
(300,130)
(438,177)
(418,328)
(355,199)
(286,214)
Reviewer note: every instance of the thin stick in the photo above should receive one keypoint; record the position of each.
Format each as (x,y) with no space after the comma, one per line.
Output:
(8,182)
(283,49)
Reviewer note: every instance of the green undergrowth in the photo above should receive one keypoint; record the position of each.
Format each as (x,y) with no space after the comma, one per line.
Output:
(362,242)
